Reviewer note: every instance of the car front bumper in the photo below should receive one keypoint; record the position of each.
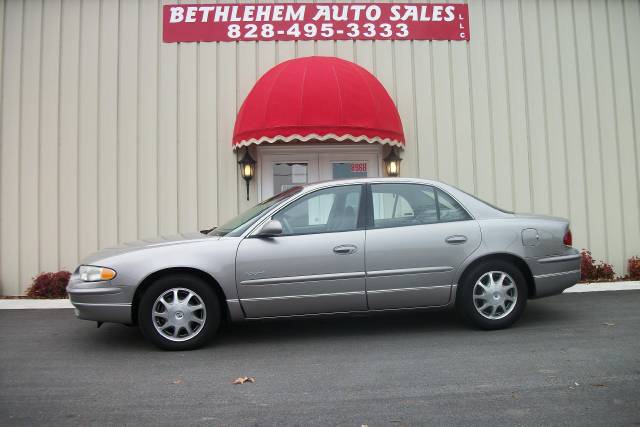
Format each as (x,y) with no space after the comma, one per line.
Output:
(100,301)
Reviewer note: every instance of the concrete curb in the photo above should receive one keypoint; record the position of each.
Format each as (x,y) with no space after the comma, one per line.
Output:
(604,286)
(17,304)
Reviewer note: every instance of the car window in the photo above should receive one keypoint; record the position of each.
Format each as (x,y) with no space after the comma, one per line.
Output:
(398,205)
(390,205)
(238,225)
(323,211)
(449,209)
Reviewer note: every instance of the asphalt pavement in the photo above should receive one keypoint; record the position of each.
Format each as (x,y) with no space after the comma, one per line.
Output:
(573,359)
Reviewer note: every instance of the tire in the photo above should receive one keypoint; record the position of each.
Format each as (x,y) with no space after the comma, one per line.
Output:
(158,312)
(500,311)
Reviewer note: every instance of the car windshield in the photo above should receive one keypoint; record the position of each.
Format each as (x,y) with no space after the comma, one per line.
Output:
(239,224)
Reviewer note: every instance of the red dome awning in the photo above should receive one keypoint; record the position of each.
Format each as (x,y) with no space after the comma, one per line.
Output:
(318,98)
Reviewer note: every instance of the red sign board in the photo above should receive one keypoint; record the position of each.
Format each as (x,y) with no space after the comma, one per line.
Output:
(358,167)
(315,21)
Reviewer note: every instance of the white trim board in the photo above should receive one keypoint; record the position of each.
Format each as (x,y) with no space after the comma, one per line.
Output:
(17,304)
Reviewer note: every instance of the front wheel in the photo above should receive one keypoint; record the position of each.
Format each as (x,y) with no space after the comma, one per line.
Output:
(493,295)
(179,312)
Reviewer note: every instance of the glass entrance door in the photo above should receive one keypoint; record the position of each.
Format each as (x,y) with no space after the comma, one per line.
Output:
(283,171)
(349,165)
(283,167)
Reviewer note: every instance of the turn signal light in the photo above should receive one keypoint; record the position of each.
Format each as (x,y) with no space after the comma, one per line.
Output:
(91,273)
(568,238)
(107,274)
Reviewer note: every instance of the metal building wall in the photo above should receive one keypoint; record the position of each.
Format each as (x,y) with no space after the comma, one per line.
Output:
(109,135)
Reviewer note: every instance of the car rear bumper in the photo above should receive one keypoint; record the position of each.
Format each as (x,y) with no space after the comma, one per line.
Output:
(557,273)
(555,283)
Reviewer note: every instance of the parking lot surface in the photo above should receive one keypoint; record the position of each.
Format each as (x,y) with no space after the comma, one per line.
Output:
(572,359)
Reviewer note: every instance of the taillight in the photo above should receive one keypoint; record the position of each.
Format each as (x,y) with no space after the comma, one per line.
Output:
(568,238)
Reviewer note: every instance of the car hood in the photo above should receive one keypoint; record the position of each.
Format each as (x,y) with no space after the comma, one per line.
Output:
(179,239)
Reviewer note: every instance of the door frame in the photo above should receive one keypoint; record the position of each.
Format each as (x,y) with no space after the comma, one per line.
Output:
(318,151)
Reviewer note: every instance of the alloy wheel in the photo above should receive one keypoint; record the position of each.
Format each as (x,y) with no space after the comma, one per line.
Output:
(495,295)
(179,314)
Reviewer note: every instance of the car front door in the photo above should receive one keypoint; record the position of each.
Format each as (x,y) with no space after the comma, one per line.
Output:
(315,266)
(417,235)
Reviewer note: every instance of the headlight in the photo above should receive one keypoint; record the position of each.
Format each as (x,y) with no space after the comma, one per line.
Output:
(90,273)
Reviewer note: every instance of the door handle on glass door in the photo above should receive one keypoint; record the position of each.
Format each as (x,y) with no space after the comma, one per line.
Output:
(345,249)
(456,239)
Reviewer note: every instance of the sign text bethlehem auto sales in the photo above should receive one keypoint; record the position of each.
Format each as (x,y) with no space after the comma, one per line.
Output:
(315,21)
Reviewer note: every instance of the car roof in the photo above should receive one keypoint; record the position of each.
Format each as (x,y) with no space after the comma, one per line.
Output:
(331,183)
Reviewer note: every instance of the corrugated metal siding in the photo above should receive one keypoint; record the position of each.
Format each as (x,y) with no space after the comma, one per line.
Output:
(109,135)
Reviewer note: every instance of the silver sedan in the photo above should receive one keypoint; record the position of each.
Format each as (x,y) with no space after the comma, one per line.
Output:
(336,247)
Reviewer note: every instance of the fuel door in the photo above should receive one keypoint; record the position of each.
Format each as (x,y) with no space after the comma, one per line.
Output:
(530,237)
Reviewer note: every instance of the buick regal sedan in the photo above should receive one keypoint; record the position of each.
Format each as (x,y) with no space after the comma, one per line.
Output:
(335,247)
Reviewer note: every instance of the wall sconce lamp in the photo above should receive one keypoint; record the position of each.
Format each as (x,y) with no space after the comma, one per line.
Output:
(392,163)
(247,168)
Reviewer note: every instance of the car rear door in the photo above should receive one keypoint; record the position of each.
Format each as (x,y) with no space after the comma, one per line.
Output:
(417,235)
(315,266)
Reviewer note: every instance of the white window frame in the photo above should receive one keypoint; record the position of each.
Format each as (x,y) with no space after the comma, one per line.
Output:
(319,156)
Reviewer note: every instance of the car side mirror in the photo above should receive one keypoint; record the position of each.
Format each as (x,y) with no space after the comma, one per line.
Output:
(270,229)
(207,230)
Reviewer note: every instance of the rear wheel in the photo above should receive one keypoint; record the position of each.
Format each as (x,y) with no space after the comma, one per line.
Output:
(179,312)
(493,295)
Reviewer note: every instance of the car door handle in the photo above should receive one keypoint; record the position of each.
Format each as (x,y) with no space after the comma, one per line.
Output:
(345,249)
(455,240)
